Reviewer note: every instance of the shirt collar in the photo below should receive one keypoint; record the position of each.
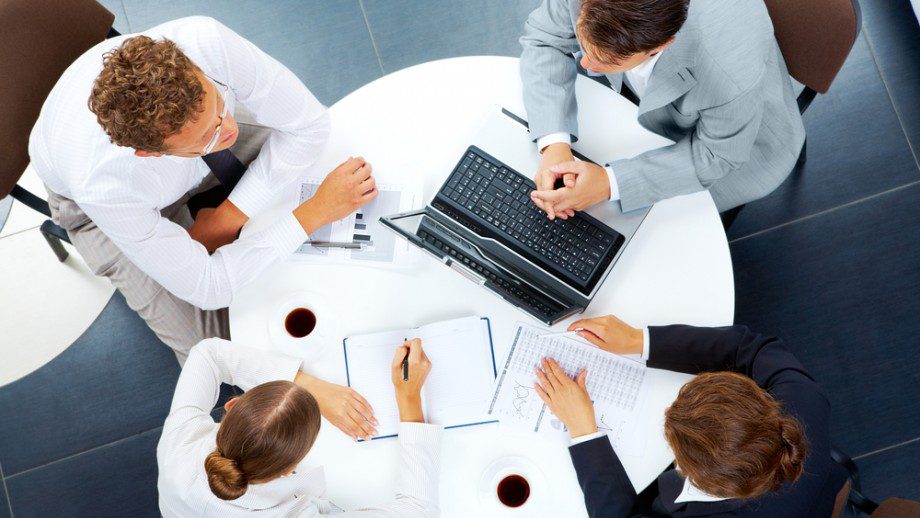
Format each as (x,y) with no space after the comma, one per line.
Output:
(691,493)
(301,483)
(645,68)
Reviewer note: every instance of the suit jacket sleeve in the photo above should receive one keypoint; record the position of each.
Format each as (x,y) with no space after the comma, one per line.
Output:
(608,491)
(720,143)
(548,70)
(694,350)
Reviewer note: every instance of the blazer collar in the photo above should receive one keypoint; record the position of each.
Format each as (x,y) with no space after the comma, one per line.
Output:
(672,75)
(670,485)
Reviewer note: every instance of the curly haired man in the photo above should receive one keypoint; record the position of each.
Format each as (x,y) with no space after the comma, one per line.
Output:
(118,145)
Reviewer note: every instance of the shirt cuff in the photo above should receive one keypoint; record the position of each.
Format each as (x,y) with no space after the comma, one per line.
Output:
(553,138)
(645,344)
(586,438)
(614,187)
(285,235)
(251,195)
(420,432)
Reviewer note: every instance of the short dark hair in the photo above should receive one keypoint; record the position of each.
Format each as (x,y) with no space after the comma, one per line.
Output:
(620,28)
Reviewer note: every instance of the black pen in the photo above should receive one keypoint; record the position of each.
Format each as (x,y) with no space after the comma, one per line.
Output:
(405,363)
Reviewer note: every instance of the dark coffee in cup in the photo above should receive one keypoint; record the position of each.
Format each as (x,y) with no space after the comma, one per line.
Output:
(300,322)
(513,491)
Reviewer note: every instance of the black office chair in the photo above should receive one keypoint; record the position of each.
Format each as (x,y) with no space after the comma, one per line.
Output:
(815,38)
(39,39)
(857,503)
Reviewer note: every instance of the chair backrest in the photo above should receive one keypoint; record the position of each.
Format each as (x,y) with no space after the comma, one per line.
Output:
(815,37)
(897,508)
(841,501)
(39,39)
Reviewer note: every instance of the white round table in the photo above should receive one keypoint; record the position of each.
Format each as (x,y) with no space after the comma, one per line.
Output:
(413,125)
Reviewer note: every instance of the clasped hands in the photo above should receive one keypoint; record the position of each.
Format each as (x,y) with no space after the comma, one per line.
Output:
(584,183)
(568,398)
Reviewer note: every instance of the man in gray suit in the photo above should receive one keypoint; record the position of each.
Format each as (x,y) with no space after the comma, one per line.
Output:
(708,74)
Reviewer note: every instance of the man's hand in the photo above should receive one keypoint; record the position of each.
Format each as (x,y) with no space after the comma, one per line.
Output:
(553,154)
(346,189)
(610,334)
(567,399)
(217,227)
(341,406)
(591,185)
(409,392)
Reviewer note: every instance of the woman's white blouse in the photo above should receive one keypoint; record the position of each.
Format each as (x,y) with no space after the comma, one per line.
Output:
(189,435)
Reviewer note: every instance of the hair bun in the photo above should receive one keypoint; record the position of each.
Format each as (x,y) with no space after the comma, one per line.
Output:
(794,449)
(226,479)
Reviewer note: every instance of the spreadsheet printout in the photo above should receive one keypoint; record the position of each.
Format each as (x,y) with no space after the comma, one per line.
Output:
(617,386)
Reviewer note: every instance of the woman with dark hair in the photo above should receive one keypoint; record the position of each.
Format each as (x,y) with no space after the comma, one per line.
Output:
(248,464)
(749,433)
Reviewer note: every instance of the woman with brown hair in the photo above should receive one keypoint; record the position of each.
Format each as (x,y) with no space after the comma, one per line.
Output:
(249,463)
(749,433)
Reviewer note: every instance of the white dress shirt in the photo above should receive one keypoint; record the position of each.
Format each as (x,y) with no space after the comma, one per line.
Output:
(123,194)
(690,492)
(189,436)
(637,79)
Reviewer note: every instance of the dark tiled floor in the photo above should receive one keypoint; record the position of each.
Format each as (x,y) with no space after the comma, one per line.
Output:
(4,502)
(893,32)
(115,381)
(408,32)
(856,148)
(118,479)
(838,279)
(892,473)
(847,309)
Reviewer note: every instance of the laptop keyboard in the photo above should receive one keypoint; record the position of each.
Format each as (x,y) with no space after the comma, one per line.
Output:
(500,198)
(545,310)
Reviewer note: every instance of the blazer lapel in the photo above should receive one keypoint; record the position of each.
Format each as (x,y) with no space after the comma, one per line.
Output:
(616,81)
(671,77)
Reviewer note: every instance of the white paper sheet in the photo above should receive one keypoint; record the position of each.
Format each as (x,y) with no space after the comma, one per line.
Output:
(616,385)
(458,387)
(362,226)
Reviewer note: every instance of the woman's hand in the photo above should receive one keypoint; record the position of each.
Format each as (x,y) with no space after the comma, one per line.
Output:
(567,399)
(610,334)
(409,392)
(341,406)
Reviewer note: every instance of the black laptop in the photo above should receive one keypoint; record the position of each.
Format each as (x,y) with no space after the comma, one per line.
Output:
(483,224)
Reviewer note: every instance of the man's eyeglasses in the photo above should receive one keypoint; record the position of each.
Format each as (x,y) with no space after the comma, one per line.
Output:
(223,94)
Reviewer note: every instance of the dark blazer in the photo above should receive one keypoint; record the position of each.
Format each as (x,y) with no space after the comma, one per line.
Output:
(608,492)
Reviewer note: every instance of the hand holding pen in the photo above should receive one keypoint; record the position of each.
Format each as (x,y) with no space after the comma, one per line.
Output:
(409,371)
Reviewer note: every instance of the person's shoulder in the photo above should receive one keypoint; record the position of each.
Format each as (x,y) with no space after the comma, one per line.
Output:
(185,24)
(736,39)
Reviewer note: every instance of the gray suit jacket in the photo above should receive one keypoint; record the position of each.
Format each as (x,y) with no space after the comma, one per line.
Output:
(721,91)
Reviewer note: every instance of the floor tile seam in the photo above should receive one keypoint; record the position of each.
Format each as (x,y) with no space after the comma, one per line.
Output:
(6,491)
(367,23)
(894,106)
(84,452)
(826,211)
(124,11)
(886,448)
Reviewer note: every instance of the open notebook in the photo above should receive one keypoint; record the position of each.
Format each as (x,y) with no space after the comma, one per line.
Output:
(458,387)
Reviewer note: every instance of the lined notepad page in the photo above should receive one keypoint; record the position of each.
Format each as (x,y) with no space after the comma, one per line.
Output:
(458,387)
